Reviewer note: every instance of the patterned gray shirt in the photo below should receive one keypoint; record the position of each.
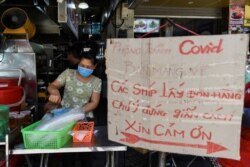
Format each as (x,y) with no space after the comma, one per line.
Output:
(77,93)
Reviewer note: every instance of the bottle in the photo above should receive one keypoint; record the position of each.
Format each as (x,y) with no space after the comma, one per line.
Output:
(4,121)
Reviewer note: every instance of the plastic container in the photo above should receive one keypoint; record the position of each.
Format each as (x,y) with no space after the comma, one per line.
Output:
(27,117)
(19,118)
(4,81)
(83,132)
(10,95)
(45,139)
(4,121)
(4,113)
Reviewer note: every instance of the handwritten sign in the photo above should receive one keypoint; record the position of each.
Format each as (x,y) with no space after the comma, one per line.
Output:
(179,95)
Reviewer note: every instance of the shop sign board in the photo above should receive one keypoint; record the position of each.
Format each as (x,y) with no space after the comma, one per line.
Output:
(177,94)
(236,16)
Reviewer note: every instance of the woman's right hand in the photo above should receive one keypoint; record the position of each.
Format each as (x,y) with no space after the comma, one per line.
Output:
(55,98)
(53,90)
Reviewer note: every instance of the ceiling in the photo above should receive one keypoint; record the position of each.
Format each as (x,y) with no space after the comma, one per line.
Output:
(95,6)
(43,13)
(187,3)
(193,9)
(94,12)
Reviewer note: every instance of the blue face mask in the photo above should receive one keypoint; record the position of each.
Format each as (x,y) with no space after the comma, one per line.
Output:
(85,72)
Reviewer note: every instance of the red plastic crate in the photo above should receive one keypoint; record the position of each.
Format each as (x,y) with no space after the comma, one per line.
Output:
(85,128)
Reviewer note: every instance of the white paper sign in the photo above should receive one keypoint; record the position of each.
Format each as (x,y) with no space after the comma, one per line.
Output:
(179,95)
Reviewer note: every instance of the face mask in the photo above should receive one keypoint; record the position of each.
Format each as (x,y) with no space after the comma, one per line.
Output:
(85,72)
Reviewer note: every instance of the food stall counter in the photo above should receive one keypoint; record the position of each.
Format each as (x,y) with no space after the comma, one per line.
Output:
(99,143)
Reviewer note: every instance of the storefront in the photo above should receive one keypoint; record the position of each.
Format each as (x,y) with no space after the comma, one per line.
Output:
(37,38)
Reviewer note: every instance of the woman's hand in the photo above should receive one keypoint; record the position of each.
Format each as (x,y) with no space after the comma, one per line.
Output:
(55,98)
(94,101)
(53,90)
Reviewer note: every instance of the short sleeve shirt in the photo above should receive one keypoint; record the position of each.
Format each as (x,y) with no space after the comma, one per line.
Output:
(77,93)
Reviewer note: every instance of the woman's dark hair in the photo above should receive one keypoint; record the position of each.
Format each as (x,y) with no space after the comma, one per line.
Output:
(89,55)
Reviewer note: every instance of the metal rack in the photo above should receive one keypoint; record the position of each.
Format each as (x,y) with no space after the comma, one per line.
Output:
(6,143)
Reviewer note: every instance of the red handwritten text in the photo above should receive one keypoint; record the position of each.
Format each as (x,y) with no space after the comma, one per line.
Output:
(168,130)
(221,94)
(188,47)
(190,114)
(119,87)
(137,127)
(154,111)
(131,106)
(141,90)
(161,130)
(198,133)
(172,92)
(158,130)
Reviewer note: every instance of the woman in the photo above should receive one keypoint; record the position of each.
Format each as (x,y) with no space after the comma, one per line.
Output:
(81,88)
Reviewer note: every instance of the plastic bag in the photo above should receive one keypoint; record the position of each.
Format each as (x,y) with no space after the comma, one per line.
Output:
(59,111)
(52,122)
(80,134)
